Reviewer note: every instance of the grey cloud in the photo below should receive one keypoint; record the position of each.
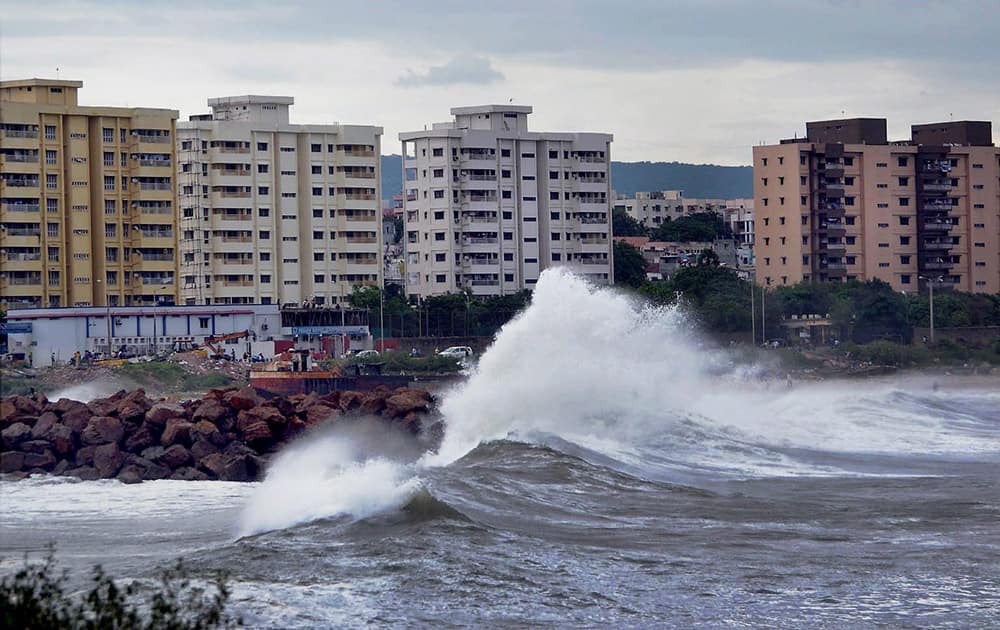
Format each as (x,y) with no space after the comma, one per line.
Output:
(468,70)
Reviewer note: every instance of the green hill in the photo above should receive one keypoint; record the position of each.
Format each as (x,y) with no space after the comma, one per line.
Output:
(696,180)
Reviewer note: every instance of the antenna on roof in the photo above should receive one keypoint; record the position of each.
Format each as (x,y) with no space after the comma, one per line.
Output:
(510,101)
(57,74)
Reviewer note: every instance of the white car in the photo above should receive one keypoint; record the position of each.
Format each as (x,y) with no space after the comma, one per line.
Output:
(456,352)
(366,354)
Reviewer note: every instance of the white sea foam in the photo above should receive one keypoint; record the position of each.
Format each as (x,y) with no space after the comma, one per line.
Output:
(589,365)
(337,473)
(86,392)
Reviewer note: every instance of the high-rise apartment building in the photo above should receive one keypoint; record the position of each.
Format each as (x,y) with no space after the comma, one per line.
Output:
(844,203)
(489,204)
(87,201)
(273,212)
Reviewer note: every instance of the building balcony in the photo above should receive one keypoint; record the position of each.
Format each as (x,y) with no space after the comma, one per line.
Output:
(936,226)
(831,169)
(20,239)
(832,247)
(936,187)
(833,228)
(937,265)
(937,246)
(26,133)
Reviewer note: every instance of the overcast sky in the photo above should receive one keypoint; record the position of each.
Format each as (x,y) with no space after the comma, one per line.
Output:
(685,80)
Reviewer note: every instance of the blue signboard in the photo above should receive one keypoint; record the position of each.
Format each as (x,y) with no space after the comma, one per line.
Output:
(329,330)
(15,328)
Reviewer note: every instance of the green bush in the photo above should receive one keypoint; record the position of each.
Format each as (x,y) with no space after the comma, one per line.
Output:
(36,597)
(166,376)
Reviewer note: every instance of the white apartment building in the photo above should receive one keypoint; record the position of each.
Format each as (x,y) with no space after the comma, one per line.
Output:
(655,207)
(276,213)
(489,204)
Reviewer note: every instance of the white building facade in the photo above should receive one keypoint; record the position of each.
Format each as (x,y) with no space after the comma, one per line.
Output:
(489,204)
(276,213)
(50,336)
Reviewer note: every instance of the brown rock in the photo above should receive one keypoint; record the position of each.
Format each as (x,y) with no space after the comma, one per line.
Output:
(214,465)
(36,446)
(45,422)
(283,405)
(205,430)
(85,473)
(295,427)
(102,430)
(130,474)
(211,410)
(44,460)
(350,400)
(140,440)
(85,456)
(77,418)
(26,406)
(138,396)
(238,468)
(174,457)
(303,403)
(187,473)
(404,400)
(153,453)
(202,448)
(160,413)
(11,461)
(243,398)
(8,412)
(129,411)
(374,403)
(177,431)
(258,435)
(61,467)
(14,435)
(108,459)
(332,397)
(62,439)
(318,414)
(103,407)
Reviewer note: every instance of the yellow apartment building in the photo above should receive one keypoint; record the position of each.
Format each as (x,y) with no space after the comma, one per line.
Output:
(843,203)
(87,200)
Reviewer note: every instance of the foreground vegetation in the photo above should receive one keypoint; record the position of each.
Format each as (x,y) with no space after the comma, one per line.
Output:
(37,597)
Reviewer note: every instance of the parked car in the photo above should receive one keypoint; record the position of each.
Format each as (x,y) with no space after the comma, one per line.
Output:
(456,352)
(366,354)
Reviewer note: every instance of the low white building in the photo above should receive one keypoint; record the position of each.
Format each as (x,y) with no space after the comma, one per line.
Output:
(49,336)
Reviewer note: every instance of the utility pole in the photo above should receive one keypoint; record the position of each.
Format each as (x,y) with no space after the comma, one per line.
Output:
(753,314)
(930,290)
(763,316)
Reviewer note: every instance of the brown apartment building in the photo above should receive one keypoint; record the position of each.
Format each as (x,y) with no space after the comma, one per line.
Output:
(87,200)
(844,203)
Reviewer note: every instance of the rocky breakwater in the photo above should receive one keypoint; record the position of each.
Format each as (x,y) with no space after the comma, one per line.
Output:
(228,434)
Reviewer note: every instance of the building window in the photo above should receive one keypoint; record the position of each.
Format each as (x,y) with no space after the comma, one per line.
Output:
(265,235)
(50,132)
(904,260)
(904,201)
(904,240)
(438,152)
(902,161)
(439,278)
(316,148)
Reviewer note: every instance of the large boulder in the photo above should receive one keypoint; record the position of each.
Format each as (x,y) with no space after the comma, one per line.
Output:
(174,457)
(26,406)
(160,413)
(213,465)
(320,413)
(108,459)
(186,473)
(258,435)
(85,456)
(103,407)
(14,435)
(36,446)
(43,461)
(11,461)
(103,430)
(77,418)
(177,431)
(130,411)
(130,473)
(374,402)
(205,430)
(211,410)
(243,398)
(44,423)
(350,400)
(405,400)
(62,438)
(8,412)
(84,473)
(142,439)
(202,448)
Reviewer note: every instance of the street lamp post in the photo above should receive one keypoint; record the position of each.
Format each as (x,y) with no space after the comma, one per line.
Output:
(753,314)
(107,314)
(930,290)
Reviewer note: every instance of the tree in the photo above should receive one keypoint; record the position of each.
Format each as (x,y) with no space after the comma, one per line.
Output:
(708,258)
(630,266)
(398,223)
(700,226)
(624,225)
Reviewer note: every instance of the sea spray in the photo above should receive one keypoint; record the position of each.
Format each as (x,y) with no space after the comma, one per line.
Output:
(357,469)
